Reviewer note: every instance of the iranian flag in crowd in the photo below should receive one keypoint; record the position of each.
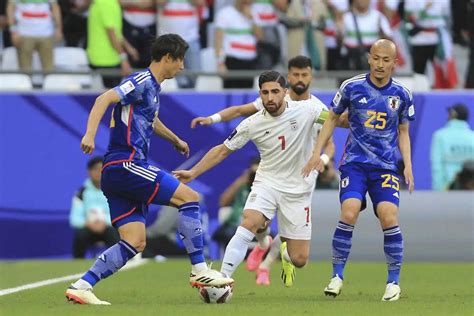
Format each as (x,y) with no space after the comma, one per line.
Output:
(446,76)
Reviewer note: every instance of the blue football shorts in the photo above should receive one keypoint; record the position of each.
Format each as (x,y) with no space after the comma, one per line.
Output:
(383,185)
(131,186)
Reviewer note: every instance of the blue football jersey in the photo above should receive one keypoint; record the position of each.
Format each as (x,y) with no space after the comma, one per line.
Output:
(131,125)
(374,116)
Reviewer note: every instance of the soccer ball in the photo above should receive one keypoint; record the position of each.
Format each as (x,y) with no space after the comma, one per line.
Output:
(212,294)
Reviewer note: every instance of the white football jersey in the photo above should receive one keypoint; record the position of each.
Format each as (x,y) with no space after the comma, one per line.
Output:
(285,144)
(317,103)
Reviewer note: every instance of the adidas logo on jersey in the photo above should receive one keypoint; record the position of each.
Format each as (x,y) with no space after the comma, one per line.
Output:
(363,100)
(396,195)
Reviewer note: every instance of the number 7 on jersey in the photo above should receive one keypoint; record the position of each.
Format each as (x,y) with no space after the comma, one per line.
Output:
(282,139)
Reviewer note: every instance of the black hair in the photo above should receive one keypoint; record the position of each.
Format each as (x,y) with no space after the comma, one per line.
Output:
(172,44)
(300,62)
(94,161)
(271,76)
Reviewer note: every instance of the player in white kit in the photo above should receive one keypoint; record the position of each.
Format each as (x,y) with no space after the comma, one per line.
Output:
(283,134)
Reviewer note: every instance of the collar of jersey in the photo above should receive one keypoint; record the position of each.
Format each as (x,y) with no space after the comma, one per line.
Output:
(154,79)
(367,77)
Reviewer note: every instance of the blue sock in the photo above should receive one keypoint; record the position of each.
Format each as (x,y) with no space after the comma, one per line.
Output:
(393,247)
(109,262)
(190,231)
(341,247)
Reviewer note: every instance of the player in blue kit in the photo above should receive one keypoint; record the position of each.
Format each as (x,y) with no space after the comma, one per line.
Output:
(380,109)
(130,183)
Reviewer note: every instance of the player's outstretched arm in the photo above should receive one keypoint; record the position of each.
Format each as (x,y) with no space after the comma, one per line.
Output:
(225,115)
(405,149)
(323,137)
(210,159)
(101,104)
(161,130)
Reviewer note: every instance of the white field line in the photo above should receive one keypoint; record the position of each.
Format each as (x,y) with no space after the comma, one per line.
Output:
(29,286)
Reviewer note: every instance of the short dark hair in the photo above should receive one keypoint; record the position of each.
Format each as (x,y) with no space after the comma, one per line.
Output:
(271,76)
(172,44)
(300,62)
(94,161)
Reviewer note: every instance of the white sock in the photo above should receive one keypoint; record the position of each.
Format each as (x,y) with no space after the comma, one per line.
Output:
(82,285)
(263,239)
(236,250)
(272,255)
(286,255)
(199,267)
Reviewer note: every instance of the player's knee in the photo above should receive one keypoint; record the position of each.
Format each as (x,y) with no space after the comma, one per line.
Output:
(191,196)
(299,260)
(138,244)
(349,217)
(388,221)
(250,224)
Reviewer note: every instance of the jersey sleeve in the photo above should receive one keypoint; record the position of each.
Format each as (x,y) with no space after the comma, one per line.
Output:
(340,102)
(407,111)
(239,137)
(258,104)
(128,91)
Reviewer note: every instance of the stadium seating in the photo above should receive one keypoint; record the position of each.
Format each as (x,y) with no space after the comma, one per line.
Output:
(209,83)
(169,85)
(56,82)
(15,82)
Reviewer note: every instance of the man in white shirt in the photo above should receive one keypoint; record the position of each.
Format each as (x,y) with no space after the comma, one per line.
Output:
(236,40)
(283,134)
(299,80)
(34,25)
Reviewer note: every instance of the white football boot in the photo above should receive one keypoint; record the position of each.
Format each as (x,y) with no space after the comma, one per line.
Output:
(334,287)
(83,297)
(392,292)
(210,277)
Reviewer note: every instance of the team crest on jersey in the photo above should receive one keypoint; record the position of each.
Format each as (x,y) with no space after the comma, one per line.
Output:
(394,102)
(252,197)
(293,125)
(345,182)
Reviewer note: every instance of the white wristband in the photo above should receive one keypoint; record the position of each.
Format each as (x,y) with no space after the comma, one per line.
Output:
(215,118)
(325,159)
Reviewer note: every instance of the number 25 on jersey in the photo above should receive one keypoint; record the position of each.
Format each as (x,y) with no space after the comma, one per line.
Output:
(376,120)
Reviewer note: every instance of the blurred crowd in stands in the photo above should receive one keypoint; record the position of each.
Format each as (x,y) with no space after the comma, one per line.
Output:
(226,35)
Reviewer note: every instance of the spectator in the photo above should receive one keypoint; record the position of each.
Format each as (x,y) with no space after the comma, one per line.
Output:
(139,28)
(332,38)
(329,178)
(234,197)
(34,26)
(181,17)
(4,33)
(236,41)
(464,179)
(265,16)
(106,47)
(74,14)
(451,146)
(424,20)
(362,26)
(297,19)
(90,216)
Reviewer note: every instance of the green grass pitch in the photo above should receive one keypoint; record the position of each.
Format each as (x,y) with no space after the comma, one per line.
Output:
(162,289)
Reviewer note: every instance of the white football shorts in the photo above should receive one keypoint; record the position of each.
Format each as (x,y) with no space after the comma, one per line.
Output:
(294,210)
